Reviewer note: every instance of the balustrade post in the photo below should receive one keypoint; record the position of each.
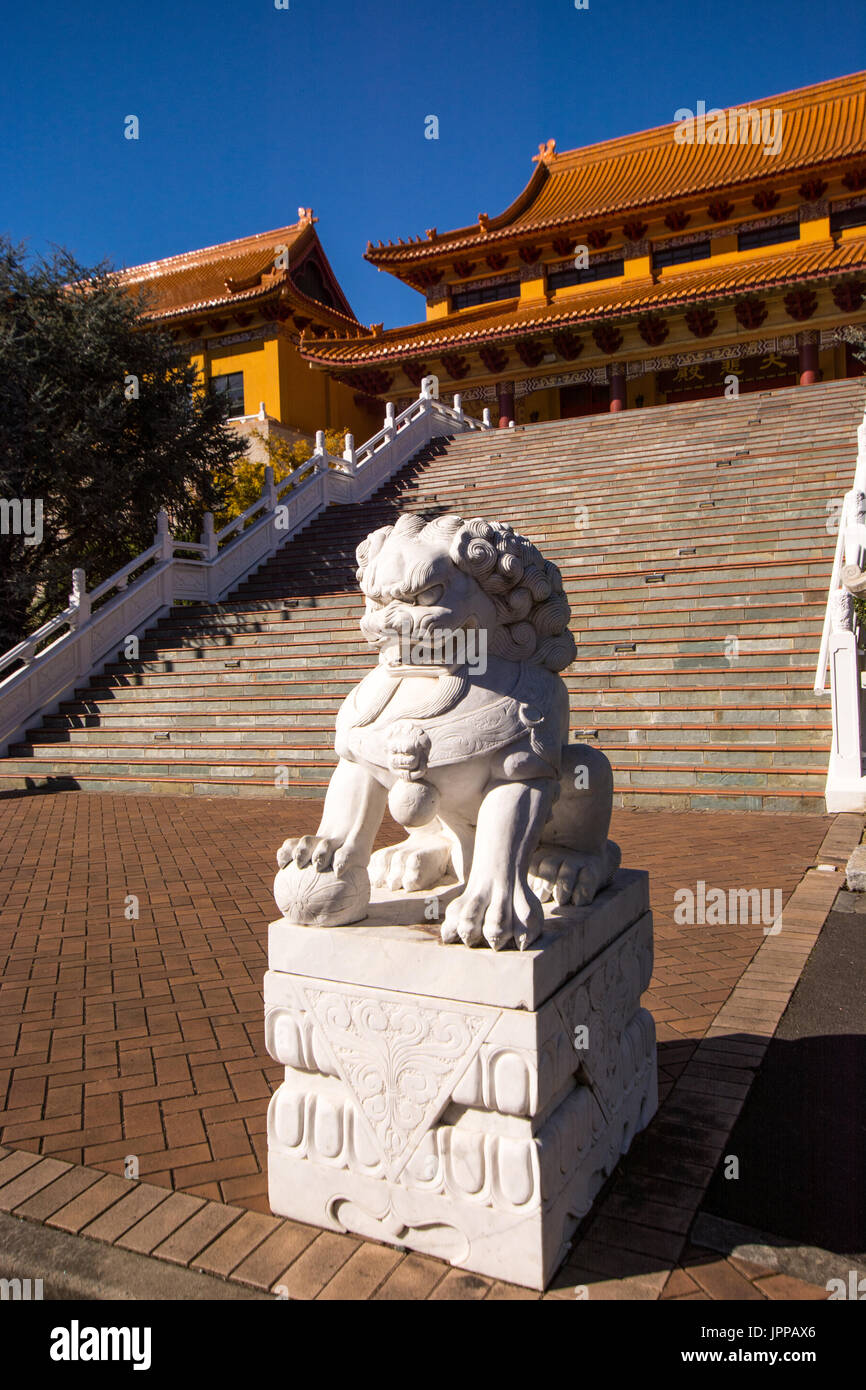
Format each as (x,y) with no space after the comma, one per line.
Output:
(269,492)
(485,418)
(389,428)
(349,451)
(458,407)
(164,538)
(208,536)
(79,600)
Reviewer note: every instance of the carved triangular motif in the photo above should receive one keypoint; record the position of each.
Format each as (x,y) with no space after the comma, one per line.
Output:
(400,1060)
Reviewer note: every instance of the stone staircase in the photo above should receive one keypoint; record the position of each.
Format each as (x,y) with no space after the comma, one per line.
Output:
(694,546)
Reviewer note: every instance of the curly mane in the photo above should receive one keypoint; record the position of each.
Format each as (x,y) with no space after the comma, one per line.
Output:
(525,588)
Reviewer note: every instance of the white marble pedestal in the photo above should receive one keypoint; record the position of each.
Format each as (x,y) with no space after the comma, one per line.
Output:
(464,1103)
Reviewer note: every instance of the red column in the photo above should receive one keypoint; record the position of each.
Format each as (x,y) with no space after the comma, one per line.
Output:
(617,391)
(808,354)
(506,405)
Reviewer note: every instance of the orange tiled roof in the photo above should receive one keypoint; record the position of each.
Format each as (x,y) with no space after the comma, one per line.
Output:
(227,275)
(821,124)
(503,319)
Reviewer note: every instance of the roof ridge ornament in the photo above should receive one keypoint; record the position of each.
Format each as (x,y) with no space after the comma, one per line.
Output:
(546,152)
(305,215)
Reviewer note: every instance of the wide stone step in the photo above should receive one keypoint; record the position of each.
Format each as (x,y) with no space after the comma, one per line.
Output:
(253,739)
(812,713)
(271,694)
(634,654)
(196,759)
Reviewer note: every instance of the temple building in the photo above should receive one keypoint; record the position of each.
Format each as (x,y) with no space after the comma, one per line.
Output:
(724,252)
(239,309)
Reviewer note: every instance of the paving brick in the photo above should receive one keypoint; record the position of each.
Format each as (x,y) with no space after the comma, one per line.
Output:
(14,1163)
(235,1244)
(784,1287)
(645,1288)
(721,1280)
(30,1181)
(261,1269)
(159,1224)
(50,1199)
(678,1284)
(89,1204)
(459,1284)
(414,1278)
(118,1219)
(500,1292)
(200,1231)
(306,1276)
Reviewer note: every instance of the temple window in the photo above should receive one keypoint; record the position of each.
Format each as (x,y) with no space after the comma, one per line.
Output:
(677,254)
(463,299)
(604,270)
(767,236)
(232,387)
(848,217)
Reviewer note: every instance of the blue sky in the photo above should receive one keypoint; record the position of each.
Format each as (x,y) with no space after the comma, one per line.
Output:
(247,112)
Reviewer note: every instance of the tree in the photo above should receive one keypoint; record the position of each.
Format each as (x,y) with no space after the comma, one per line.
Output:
(102,423)
(284,458)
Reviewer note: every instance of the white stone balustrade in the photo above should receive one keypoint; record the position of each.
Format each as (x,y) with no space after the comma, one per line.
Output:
(38,673)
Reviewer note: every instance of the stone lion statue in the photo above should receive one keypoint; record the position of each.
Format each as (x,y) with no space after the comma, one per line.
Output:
(461,731)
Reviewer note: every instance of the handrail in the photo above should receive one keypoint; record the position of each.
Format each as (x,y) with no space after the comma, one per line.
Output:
(206,569)
(840,651)
(850,548)
(820,685)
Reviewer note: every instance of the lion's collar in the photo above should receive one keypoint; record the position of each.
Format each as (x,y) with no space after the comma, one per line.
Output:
(367,701)
(455,733)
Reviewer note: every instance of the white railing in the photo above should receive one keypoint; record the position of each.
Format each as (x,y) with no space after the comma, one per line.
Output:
(840,653)
(97,623)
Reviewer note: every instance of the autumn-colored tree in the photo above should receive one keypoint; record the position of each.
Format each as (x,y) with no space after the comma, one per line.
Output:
(284,457)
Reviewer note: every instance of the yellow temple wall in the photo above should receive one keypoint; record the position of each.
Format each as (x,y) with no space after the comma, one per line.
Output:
(261,380)
(294,394)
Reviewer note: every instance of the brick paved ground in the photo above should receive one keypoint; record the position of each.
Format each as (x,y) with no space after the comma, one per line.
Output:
(122,1035)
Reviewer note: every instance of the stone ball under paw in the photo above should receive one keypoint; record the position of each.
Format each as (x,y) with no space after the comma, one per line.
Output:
(308,898)
(413,803)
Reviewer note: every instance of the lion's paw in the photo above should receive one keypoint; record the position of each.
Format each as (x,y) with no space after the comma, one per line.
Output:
(569,876)
(322,853)
(418,862)
(497,913)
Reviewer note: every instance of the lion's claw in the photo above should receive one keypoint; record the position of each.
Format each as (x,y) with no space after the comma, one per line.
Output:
(420,861)
(569,876)
(486,914)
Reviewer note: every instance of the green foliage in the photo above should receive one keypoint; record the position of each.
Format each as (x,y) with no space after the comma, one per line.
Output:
(284,458)
(103,454)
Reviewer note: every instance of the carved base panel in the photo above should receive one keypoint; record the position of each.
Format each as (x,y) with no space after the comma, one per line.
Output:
(479,1132)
